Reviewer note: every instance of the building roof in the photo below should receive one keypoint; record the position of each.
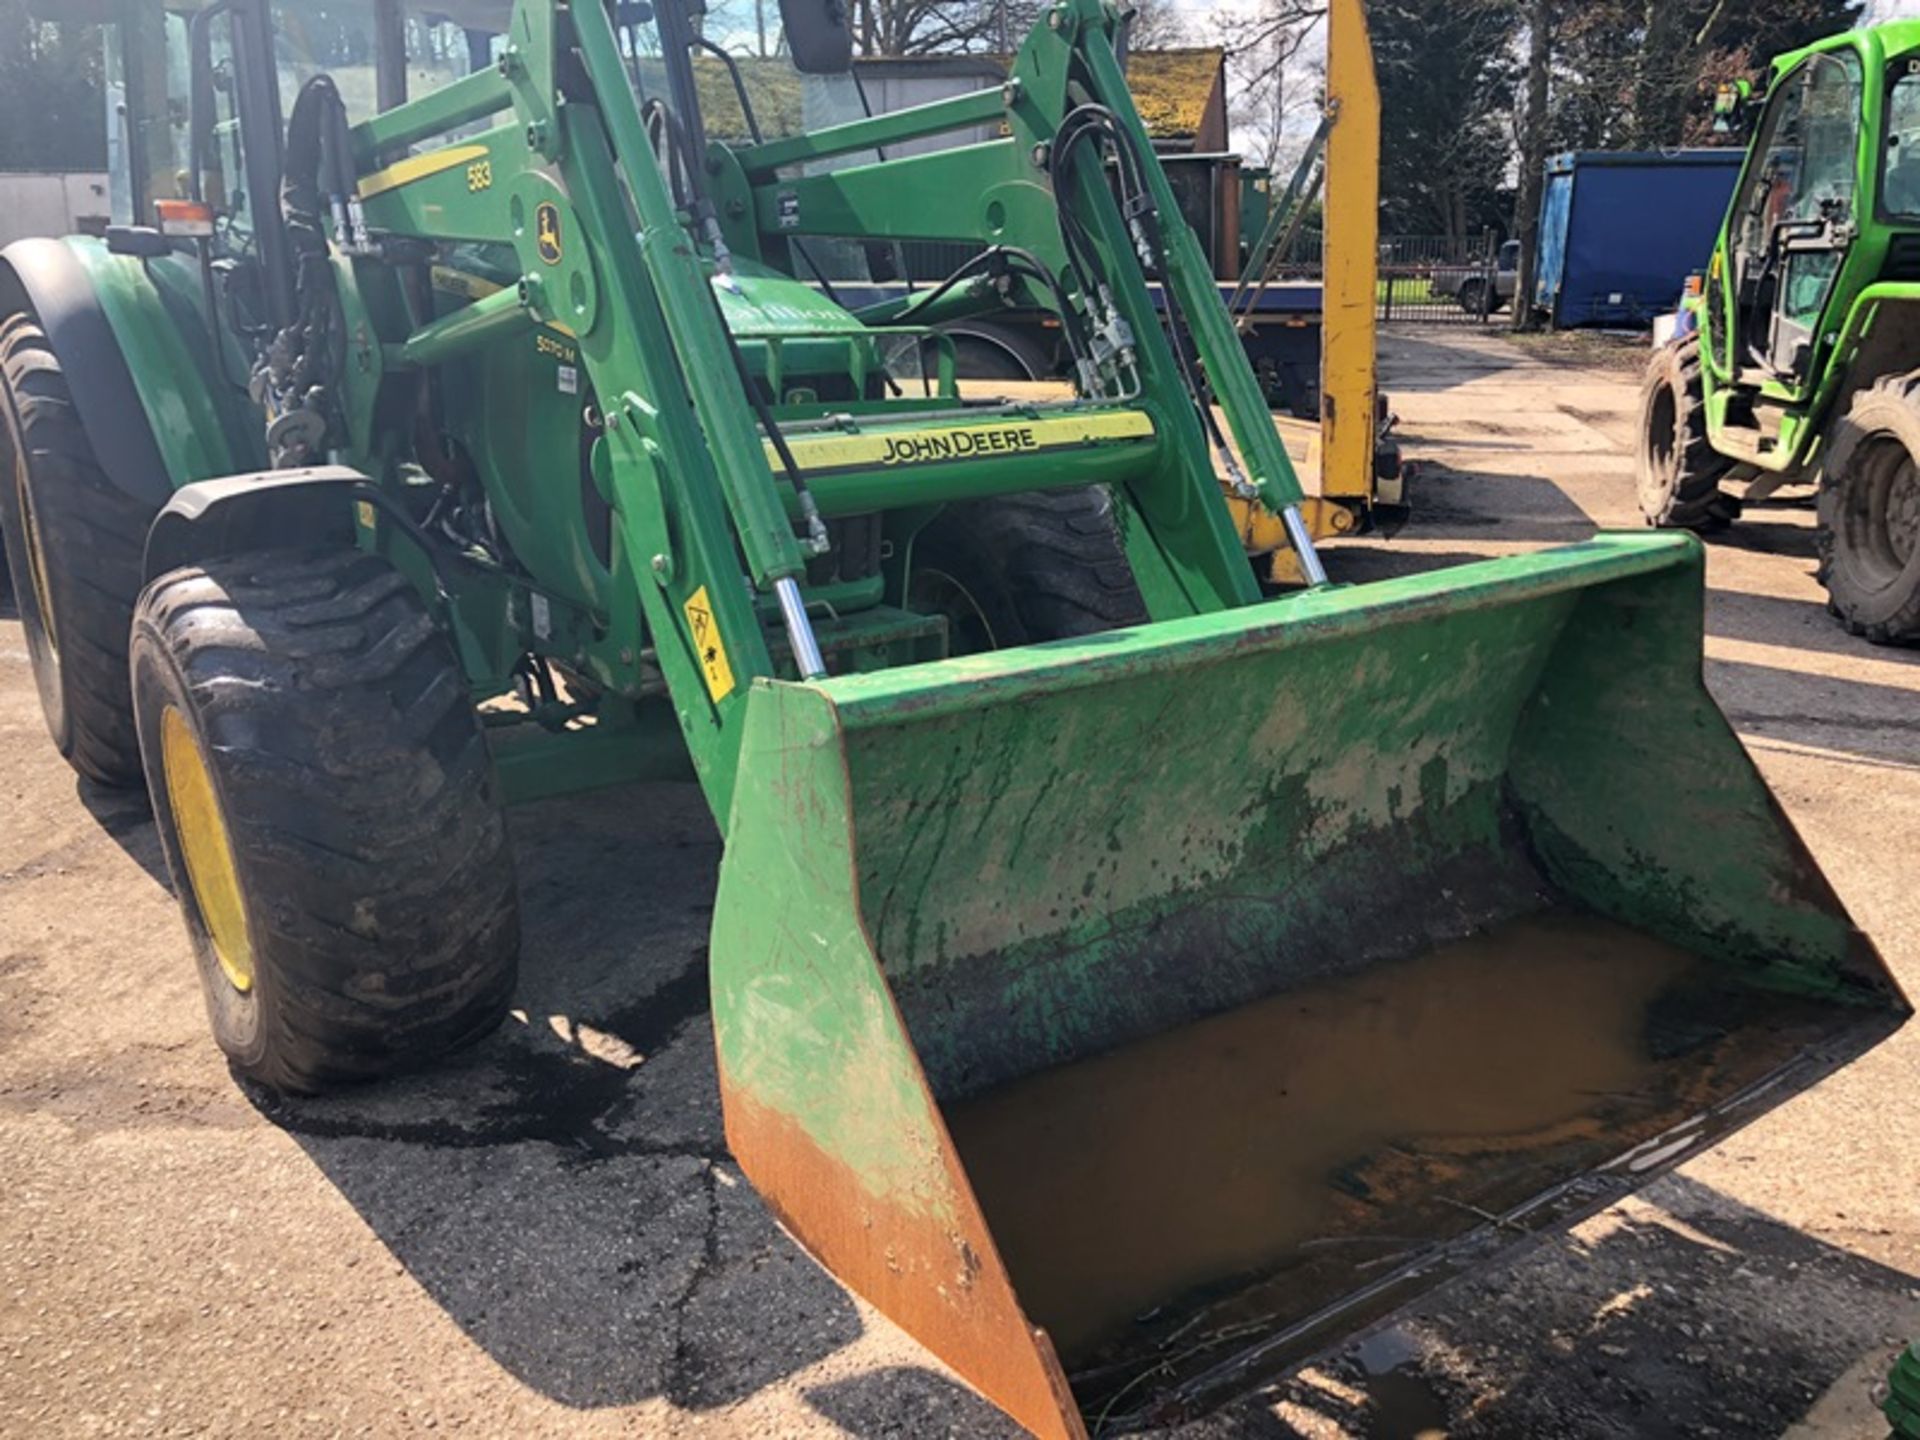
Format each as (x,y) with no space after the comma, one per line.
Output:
(1172,88)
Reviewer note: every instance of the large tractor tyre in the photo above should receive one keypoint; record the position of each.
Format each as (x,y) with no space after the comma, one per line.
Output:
(328,812)
(1677,469)
(1869,532)
(1020,569)
(74,544)
(994,352)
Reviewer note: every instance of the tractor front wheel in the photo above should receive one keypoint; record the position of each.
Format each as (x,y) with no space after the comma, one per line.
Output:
(328,812)
(1677,469)
(1869,533)
(1020,569)
(74,544)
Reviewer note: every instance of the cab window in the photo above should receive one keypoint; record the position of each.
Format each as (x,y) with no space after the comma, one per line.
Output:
(1799,196)
(1900,173)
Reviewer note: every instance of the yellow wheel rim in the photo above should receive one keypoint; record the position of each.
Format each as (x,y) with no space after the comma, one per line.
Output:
(204,844)
(36,556)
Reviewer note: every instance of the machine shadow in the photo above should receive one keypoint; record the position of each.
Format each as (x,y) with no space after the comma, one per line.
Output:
(1854,717)
(908,1401)
(1767,537)
(1465,509)
(1413,363)
(126,817)
(1684,1314)
(1479,507)
(1800,624)
(1361,562)
(563,1190)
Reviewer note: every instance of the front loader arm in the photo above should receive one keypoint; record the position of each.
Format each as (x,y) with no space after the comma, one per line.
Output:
(702,526)
(700,523)
(1183,548)
(1190,279)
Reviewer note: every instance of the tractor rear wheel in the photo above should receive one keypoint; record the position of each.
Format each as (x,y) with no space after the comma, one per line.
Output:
(1869,533)
(1020,569)
(328,812)
(1677,468)
(75,543)
(984,351)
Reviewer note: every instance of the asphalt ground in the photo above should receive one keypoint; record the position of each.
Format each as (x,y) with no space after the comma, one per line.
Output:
(547,1236)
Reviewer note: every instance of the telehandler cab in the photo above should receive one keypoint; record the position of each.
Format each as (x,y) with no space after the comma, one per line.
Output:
(1127,982)
(1794,361)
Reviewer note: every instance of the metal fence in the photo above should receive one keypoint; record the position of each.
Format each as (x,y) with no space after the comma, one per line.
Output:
(1422,280)
(1435,280)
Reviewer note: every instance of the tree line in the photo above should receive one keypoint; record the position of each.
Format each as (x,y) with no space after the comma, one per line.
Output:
(1475,93)
(53,105)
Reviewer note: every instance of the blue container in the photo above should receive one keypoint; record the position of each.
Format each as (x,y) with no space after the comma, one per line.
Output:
(1620,230)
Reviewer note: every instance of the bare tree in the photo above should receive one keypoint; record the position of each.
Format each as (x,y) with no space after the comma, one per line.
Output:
(1533,158)
(941,27)
(1156,25)
(1272,72)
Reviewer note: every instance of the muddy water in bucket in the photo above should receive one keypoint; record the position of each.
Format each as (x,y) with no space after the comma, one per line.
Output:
(1324,1131)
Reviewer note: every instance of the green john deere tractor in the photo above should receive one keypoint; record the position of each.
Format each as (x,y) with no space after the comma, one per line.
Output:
(1796,352)
(475,422)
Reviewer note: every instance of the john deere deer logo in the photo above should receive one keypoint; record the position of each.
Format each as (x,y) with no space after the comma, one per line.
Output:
(547,232)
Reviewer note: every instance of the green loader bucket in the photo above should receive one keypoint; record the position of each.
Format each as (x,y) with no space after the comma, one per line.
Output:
(1129,1019)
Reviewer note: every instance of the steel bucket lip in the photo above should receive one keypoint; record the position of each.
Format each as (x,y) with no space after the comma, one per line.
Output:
(943,686)
(1508,1237)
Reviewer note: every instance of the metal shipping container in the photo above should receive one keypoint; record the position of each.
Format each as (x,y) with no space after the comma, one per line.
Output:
(1620,230)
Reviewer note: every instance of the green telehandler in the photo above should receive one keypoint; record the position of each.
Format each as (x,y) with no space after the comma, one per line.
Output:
(1128,981)
(1793,362)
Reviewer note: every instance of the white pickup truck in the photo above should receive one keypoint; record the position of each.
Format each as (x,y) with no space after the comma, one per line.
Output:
(1482,291)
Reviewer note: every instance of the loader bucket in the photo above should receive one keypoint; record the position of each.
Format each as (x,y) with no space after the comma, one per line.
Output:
(1129,1019)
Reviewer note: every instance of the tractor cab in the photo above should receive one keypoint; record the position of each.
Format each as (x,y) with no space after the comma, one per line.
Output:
(1796,215)
(1797,364)
(1827,205)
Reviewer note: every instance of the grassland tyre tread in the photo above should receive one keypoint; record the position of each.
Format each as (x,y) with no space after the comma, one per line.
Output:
(91,536)
(1868,535)
(1042,566)
(354,782)
(1676,469)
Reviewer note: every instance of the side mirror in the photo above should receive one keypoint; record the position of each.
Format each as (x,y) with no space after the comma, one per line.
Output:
(819,35)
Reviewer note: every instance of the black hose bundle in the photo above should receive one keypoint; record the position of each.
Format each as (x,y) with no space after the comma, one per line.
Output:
(293,381)
(1098,124)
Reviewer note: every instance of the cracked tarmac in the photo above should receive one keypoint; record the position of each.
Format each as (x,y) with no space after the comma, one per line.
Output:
(546,1237)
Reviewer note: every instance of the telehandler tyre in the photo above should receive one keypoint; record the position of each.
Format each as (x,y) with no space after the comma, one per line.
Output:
(328,812)
(74,545)
(1869,533)
(1021,569)
(1677,469)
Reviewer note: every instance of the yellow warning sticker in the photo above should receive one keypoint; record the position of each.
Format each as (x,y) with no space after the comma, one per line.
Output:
(712,649)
